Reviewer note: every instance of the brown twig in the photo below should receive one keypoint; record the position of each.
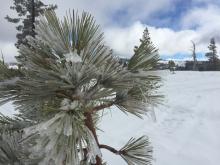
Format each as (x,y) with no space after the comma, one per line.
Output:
(89,123)
(113,150)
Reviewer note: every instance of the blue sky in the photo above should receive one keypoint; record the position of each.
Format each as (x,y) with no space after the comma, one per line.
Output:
(183,56)
(171,16)
(167,18)
(172,24)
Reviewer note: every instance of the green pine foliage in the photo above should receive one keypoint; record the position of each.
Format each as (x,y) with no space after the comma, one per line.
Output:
(171,64)
(214,62)
(145,55)
(68,78)
(137,151)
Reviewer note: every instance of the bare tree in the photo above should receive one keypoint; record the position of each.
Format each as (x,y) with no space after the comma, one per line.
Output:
(193,49)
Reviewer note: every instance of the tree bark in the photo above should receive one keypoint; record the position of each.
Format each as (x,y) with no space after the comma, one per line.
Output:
(89,123)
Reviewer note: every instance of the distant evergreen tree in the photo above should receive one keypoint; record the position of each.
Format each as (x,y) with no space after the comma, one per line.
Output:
(212,55)
(171,65)
(145,38)
(146,53)
(27,11)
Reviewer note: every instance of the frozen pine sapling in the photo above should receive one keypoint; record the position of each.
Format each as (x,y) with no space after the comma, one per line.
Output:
(68,78)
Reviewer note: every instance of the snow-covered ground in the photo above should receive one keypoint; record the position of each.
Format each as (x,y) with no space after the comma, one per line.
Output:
(187,129)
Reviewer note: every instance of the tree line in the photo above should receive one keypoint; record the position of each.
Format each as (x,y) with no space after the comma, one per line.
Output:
(212,64)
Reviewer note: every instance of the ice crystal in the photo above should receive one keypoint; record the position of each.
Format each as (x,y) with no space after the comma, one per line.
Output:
(73,57)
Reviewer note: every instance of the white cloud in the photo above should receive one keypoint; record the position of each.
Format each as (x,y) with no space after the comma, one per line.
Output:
(198,24)
(169,42)
(7,30)
(200,17)
(123,40)
(205,20)
(104,10)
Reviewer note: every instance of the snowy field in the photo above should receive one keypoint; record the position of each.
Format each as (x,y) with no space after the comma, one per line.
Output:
(187,126)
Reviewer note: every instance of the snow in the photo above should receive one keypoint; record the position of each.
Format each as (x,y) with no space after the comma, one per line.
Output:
(73,57)
(66,104)
(187,128)
(7,109)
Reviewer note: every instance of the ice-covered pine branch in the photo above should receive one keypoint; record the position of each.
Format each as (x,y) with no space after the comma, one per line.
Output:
(135,152)
(68,76)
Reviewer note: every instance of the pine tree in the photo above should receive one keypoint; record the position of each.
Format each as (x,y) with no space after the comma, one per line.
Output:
(68,79)
(145,54)
(146,37)
(171,65)
(212,55)
(28,11)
